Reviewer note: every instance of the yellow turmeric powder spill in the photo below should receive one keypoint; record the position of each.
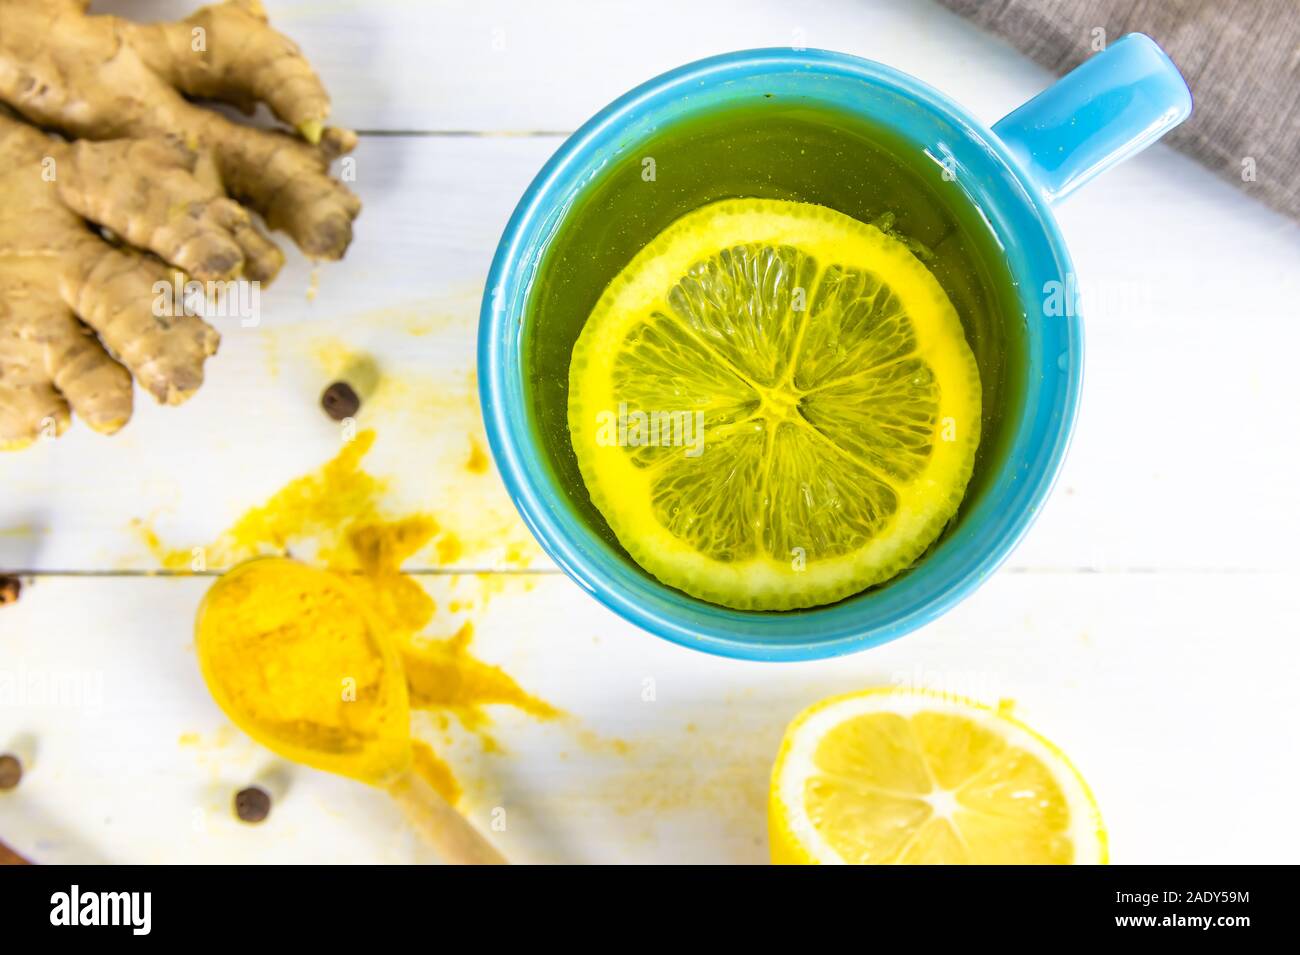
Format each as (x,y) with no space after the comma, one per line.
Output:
(478,462)
(449,549)
(442,675)
(372,553)
(338,508)
(339,495)
(434,769)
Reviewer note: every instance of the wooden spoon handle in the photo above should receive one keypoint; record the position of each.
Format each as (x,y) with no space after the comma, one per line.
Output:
(9,857)
(450,833)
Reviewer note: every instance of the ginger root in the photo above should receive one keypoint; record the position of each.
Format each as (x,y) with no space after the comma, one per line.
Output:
(138,184)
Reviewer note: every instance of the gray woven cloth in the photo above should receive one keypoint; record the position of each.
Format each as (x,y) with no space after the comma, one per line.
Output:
(1241,59)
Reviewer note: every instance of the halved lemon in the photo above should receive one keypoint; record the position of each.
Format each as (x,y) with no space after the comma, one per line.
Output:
(915,778)
(774,405)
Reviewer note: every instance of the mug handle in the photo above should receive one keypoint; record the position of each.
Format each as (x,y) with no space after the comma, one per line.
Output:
(1110,107)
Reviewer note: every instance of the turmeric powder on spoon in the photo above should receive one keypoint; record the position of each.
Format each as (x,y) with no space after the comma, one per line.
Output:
(294,657)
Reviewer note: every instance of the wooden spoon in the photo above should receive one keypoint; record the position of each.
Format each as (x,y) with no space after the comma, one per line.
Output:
(296,659)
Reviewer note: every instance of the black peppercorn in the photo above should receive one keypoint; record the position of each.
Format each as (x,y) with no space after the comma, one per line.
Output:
(252,804)
(340,401)
(11,771)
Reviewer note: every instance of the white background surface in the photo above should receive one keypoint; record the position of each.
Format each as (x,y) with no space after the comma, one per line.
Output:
(1148,624)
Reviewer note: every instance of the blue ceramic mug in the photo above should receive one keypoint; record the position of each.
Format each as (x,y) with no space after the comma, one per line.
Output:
(1114,105)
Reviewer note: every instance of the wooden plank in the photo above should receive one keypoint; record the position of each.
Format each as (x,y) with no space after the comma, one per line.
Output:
(518,65)
(1188,288)
(1185,455)
(1151,683)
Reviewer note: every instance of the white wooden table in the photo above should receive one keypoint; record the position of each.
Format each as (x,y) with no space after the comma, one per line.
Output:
(1150,623)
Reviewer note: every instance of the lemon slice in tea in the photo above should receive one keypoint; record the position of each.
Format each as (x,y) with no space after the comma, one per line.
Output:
(774,405)
(894,776)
